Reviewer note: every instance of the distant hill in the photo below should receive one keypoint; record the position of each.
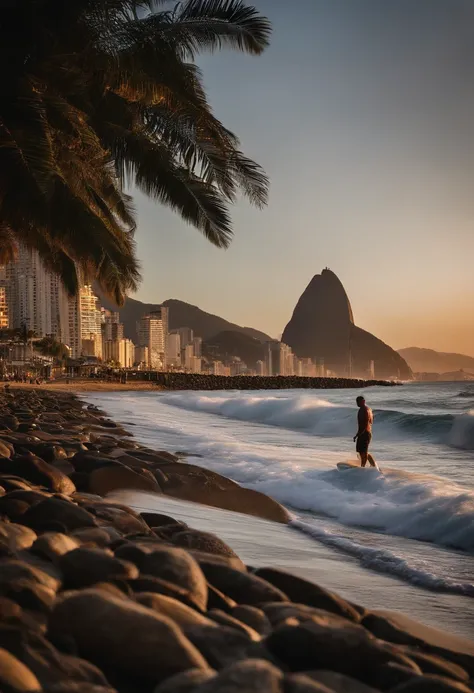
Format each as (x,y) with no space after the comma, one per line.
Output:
(227,344)
(430,361)
(322,327)
(181,314)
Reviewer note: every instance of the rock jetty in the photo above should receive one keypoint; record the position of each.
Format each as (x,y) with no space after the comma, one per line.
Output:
(200,381)
(96,598)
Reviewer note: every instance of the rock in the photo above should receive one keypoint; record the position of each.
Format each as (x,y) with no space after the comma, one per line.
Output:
(53,545)
(83,567)
(213,559)
(16,537)
(218,600)
(88,462)
(47,451)
(203,541)
(47,663)
(14,483)
(107,479)
(5,449)
(224,619)
(15,676)
(400,629)
(10,422)
(105,629)
(146,583)
(76,687)
(159,520)
(349,650)
(221,646)
(339,683)
(37,471)
(305,592)
(279,612)
(300,683)
(193,483)
(53,510)
(186,682)
(249,676)
(95,535)
(14,571)
(183,615)
(431,684)
(177,566)
(322,323)
(431,664)
(123,519)
(245,588)
(253,617)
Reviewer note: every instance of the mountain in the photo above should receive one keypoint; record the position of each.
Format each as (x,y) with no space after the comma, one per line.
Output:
(322,327)
(227,344)
(181,314)
(430,361)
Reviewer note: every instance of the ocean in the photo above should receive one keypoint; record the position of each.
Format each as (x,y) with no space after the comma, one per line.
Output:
(408,529)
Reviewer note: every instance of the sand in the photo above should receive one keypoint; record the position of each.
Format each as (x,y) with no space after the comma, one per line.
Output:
(88,385)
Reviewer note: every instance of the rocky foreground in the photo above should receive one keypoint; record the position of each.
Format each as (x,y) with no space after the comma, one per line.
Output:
(95,598)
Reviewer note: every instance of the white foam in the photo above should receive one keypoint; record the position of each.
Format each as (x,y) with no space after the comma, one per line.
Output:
(384,561)
(302,411)
(288,466)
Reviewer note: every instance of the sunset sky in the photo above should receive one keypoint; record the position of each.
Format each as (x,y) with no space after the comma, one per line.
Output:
(362,114)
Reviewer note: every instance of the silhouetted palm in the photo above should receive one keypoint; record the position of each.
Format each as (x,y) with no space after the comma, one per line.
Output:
(100,94)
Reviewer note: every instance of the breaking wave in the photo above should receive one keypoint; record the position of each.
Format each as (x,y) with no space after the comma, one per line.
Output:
(320,417)
(384,561)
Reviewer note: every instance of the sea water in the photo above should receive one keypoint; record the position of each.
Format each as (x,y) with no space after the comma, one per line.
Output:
(413,521)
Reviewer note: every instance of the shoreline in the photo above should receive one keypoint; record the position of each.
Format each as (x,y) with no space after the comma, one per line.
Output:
(77,569)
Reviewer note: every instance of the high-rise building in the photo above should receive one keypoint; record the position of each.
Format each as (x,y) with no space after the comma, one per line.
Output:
(121,351)
(197,343)
(186,334)
(173,352)
(141,357)
(112,328)
(188,357)
(36,298)
(278,359)
(4,322)
(260,368)
(152,332)
(74,326)
(91,322)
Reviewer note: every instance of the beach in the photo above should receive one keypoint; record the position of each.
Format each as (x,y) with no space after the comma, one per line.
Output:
(136,592)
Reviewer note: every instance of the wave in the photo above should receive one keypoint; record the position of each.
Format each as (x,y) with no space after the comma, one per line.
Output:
(384,561)
(415,506)
(322,418)
(466,394)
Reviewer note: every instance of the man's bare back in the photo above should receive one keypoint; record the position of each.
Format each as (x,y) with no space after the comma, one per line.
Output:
(365,419)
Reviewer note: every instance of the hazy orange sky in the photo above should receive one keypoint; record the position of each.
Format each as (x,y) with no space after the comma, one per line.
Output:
(362,113)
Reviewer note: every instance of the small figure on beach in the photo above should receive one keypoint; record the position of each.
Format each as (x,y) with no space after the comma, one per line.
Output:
(365,419)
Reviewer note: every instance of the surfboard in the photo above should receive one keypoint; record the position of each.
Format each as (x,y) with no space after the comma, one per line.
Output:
(342,466)
(348,465)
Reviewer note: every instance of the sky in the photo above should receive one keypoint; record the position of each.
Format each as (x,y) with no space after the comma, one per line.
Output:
(362,114)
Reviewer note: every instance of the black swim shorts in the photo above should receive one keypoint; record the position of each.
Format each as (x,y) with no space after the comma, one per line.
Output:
(363,441)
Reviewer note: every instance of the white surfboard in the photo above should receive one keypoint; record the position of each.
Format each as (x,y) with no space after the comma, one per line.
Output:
(342,466)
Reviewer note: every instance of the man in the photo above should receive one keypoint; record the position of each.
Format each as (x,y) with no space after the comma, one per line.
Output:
(365,419)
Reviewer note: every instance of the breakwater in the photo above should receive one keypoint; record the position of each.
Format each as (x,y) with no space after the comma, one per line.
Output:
(95,597)
(201,381)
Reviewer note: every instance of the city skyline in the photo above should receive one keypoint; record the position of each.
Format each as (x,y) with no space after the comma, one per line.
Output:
(373,180)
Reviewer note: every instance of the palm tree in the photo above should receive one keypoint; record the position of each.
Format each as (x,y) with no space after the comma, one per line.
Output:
(98,95)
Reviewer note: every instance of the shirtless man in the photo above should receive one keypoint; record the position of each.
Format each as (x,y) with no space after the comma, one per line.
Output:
(365,419)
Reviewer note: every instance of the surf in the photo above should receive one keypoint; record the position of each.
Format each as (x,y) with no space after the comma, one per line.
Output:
(319,417)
